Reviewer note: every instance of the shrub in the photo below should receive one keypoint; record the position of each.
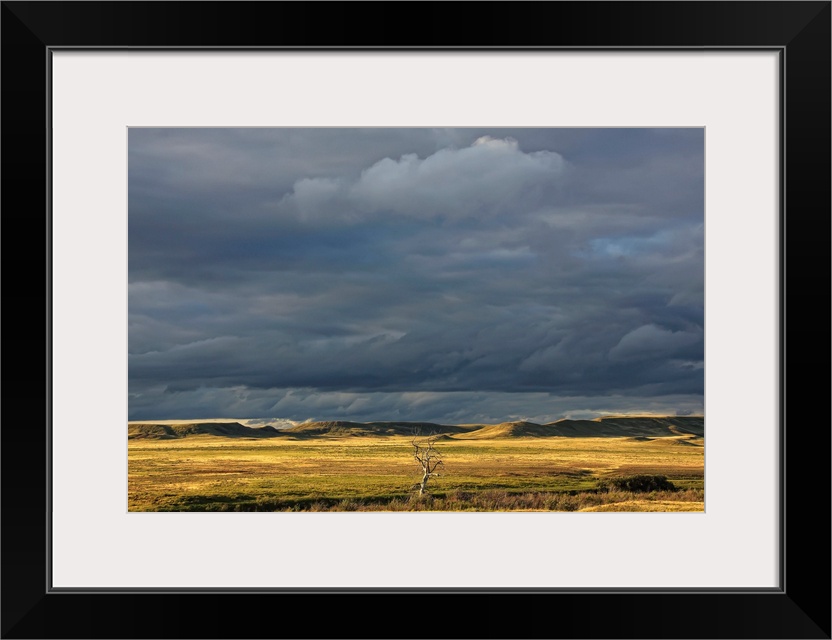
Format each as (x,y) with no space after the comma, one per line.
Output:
(639,484)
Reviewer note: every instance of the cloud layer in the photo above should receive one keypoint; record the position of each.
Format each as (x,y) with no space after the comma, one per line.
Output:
(455,275)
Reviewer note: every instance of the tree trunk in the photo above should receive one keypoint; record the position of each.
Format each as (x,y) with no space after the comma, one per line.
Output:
(424,484)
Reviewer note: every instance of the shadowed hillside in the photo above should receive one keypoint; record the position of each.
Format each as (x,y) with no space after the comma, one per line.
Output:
(341,427)
(641,428)
(631,426)
(610,427)
(136,431)
(508,430)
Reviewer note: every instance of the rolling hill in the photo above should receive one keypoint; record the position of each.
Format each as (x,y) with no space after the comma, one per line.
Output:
(634,427)
(520,429)
(609,427)
(153,431)
(341,427)
(631,426)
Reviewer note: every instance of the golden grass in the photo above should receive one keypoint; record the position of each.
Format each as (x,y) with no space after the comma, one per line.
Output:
(648,505)
(215,473)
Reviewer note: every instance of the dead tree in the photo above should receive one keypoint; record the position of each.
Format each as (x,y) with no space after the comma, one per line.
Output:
(429,460)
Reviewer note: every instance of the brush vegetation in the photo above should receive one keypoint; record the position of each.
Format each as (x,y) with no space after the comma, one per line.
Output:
(609,464)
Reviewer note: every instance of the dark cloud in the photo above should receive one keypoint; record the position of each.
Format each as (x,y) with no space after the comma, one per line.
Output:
(414,273)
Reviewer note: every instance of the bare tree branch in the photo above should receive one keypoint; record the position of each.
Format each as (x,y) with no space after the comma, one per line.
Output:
(427,456)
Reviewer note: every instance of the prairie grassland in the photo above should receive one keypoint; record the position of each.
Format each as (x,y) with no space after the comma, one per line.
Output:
(213,473)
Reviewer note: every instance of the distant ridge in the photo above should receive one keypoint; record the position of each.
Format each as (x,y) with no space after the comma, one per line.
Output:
(342,427)
(632,426)
(153,431)
(607,427)
(635,427)
(508,430)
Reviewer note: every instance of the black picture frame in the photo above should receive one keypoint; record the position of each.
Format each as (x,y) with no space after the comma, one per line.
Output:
(799,31)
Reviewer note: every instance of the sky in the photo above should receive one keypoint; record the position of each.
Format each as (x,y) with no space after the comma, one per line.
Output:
(447,275)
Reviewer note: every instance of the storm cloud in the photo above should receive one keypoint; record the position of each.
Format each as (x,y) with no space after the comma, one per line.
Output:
(450,275)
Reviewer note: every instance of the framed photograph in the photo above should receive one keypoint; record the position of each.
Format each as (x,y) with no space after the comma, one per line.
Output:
(257,261)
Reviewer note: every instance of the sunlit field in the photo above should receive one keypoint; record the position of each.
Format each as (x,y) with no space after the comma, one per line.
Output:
(366,473)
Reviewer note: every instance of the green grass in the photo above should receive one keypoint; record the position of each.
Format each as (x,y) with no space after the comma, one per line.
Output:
(213,473)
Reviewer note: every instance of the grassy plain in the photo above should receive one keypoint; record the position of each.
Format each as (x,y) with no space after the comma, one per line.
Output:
(214,473)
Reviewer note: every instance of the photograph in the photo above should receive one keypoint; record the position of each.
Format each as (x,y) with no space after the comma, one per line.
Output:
(416,319)
(416,314)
